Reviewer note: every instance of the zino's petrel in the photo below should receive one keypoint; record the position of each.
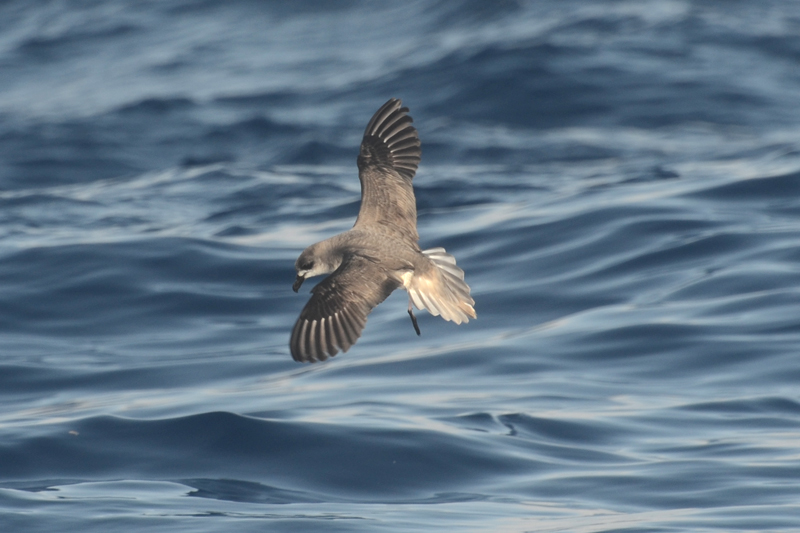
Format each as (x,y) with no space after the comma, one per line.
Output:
(380,253)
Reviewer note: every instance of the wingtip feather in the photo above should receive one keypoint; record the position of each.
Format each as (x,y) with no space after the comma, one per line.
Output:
(390,140)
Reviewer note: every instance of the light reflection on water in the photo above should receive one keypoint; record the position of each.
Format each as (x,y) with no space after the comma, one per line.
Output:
(620,191)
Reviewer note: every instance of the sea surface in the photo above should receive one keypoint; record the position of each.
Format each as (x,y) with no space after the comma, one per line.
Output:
(619,180)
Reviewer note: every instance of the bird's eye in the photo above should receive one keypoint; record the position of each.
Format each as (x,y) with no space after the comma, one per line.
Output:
(308,266)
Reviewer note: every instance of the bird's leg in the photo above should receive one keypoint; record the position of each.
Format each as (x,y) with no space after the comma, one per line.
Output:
(413,318)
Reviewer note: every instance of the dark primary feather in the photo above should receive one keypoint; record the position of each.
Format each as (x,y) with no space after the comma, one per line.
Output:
(390,141)
(389,156)
(336,314)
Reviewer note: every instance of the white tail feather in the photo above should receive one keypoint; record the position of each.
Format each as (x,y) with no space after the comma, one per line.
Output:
(416,299)
(442,291)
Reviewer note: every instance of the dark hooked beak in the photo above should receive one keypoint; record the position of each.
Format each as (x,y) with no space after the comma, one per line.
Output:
(297,282)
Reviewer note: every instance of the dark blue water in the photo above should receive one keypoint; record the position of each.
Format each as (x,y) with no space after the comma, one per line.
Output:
(619,180)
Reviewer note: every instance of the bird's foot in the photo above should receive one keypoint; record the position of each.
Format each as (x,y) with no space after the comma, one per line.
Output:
(413,320)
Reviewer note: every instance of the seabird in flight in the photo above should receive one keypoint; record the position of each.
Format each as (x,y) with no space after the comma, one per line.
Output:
(380,253)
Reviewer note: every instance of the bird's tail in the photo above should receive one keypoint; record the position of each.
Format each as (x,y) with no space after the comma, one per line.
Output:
(443,291)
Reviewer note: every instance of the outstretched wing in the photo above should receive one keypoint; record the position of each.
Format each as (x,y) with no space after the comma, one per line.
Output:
(336,314)
(389,156)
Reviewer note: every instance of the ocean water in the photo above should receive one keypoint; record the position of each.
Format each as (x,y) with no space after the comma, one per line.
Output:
(619,180)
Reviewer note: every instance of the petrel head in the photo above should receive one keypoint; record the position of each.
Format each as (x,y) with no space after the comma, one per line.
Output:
(315,260)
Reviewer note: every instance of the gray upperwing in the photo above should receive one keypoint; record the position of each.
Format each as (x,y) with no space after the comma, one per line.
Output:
(336,314)
(389,156)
